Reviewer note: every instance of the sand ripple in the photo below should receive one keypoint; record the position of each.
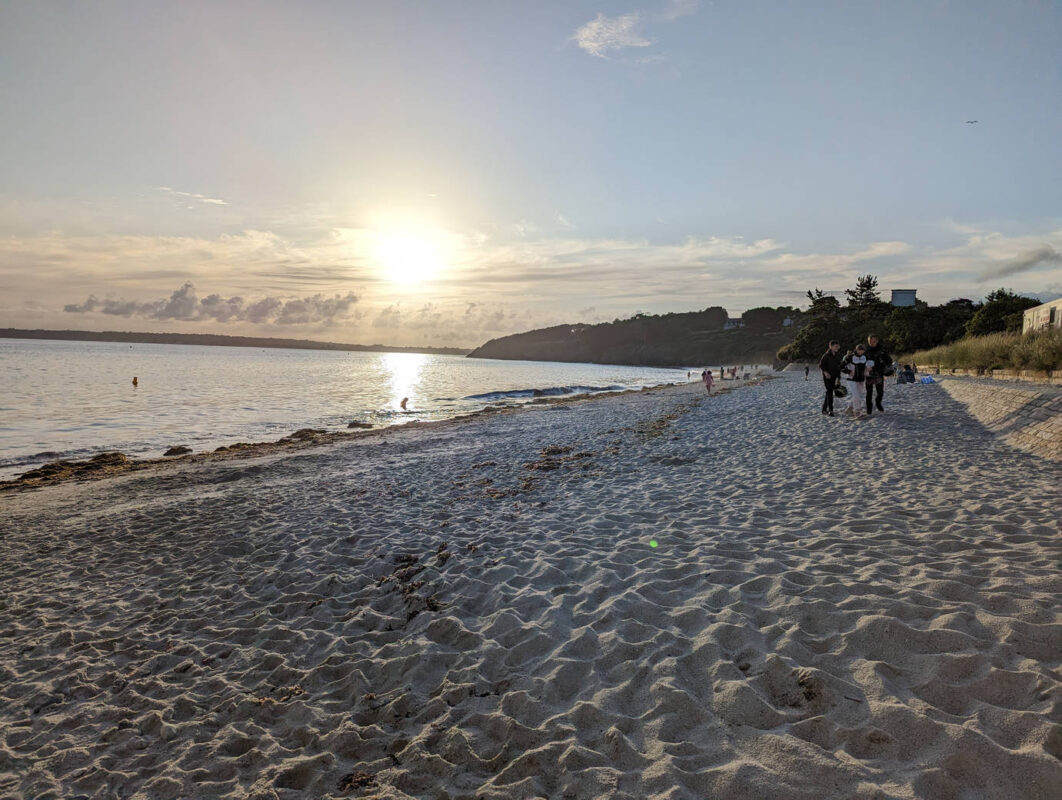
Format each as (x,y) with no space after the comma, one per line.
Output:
(834,609)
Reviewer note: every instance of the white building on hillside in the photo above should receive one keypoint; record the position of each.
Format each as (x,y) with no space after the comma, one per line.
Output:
(1048,315)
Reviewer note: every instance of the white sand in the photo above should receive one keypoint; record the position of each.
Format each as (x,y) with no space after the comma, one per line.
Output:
(836,609)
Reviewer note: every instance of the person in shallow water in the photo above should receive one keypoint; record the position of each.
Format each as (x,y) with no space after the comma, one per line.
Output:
(403,403)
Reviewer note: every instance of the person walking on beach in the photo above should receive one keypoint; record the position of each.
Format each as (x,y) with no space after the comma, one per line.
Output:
(830,364)
(875,383)
(855,368)
(807,371)
(709,381)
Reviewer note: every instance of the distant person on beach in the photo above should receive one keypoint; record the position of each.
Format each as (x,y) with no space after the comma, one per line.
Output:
(908,374)
(855,367)
(136,381)
(830,364)
(709,381)
(807,371)
(878,363)
(403,403)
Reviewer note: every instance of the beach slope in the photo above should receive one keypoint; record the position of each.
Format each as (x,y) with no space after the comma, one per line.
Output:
(653,595)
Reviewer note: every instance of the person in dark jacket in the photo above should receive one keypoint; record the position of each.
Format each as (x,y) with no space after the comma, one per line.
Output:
(876,374)
(830,364)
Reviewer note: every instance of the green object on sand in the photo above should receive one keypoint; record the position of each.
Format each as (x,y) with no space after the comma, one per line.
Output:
(652,543)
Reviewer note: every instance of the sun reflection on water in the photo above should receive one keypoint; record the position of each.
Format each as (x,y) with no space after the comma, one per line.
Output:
(404,372)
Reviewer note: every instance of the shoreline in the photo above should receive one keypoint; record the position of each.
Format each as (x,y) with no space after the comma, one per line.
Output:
(113,463)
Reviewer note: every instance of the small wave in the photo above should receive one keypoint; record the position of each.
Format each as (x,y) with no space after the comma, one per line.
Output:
(552,391)
(47,455)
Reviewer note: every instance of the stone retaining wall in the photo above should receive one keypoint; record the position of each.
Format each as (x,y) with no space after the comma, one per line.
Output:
(1052,377)
(1030,419)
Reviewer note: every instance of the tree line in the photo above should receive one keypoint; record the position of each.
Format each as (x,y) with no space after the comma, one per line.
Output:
(679,339)
(907,328)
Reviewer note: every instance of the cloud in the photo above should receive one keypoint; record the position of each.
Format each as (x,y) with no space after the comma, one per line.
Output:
(675,9)
(523,227)
(604,34)
(202,198)
(1023,262)
(471,323)
(186,306)
(329,277)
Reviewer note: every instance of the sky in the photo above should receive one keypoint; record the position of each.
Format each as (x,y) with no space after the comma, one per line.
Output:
(443,173)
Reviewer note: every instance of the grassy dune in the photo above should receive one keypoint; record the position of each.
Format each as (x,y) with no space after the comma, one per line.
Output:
(1040,351)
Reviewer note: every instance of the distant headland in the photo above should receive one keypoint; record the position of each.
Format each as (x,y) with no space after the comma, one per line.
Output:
(219,340)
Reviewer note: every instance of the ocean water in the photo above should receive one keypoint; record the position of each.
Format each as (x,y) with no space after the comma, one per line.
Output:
(65,399)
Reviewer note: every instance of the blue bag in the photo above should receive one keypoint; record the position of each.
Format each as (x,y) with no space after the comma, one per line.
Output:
(927,379)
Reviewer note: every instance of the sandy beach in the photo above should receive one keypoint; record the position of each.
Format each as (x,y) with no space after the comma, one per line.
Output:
(652,595)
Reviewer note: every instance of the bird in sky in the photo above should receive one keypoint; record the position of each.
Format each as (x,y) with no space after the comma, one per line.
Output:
(972,121)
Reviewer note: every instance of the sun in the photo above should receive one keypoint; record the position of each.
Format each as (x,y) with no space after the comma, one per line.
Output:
(408,258)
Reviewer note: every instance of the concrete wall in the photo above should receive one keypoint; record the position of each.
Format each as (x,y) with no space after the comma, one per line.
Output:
(1051,377)
(1028,418)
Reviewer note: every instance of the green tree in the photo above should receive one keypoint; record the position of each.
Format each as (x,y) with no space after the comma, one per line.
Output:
(712,318)
(824,323)
(764,319)
(1002,311)
(865,294)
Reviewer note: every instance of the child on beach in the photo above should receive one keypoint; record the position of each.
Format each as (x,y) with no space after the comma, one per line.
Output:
(709,381)
(855,368)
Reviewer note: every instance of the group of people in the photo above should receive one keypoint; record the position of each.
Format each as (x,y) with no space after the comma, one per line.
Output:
(864,369)
(709,380)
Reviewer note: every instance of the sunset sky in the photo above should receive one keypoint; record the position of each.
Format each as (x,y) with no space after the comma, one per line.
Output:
(447,172)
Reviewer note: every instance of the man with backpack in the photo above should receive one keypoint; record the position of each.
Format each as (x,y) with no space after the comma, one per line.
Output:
(875,382)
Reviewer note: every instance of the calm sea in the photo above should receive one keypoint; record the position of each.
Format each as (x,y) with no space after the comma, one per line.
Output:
(62,399)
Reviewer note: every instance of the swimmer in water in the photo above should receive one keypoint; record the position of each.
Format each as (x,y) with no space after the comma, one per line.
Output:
(135,381)
(403,403)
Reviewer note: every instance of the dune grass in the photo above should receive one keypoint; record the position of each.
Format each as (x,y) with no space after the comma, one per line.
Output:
(1041,350)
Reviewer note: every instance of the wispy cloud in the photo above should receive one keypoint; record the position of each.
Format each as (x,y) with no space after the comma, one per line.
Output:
(676,9)
(185,305)
(199,198)
(1023,262)
(517,282)
(603,35)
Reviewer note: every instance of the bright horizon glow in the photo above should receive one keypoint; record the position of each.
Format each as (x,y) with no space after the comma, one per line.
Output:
(408,258)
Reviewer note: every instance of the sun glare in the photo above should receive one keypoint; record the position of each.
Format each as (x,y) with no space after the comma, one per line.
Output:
(408,258)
